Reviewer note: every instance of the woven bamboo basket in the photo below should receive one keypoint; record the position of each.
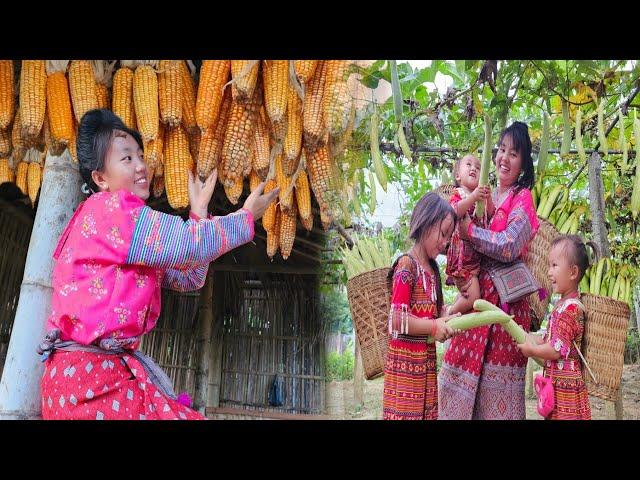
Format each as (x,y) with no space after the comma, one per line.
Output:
(603,344)
(538,262)
(536,259)
(370,301)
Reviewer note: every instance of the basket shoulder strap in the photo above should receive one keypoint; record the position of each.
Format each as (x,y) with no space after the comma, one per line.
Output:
(580,305)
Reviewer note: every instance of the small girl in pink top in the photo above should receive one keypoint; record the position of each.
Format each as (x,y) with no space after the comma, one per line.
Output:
(111,262)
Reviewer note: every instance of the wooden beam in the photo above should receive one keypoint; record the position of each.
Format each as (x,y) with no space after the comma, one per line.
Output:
(265,414)
(227,267)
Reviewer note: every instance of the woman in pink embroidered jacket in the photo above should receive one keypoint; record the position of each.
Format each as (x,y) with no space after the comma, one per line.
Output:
(483,372)
(112,260)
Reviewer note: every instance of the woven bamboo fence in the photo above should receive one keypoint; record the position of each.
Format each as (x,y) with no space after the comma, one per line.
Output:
(271,326)
(173,342)
(15,232)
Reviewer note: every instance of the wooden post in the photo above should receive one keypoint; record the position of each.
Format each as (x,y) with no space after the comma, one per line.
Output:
(358,379)
(215,353)
(600,236)
(59,196)
(205,321)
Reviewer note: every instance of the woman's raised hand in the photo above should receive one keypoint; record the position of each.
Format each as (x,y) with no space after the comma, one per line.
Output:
(200,193)
(257,202)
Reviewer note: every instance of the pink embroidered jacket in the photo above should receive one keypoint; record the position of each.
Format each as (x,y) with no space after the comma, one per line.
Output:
(116,254)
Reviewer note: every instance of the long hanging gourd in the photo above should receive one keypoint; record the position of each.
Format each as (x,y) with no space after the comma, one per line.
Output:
(566,132)
(635,196)
(486,162)
(602,138)
(579,143)
(372,186)
(622,140)
(544,146)
(376,157)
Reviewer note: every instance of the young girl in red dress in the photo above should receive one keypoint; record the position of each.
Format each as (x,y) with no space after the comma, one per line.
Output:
(568,261)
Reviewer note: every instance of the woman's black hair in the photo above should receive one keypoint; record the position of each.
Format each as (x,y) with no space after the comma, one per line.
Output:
(521,140)
(95,134)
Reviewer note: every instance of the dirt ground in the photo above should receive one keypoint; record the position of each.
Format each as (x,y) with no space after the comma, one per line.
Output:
(341,404)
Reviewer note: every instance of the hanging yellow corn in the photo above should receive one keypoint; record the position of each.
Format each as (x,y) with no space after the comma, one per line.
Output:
(254,180)
(293,137)
(5,142)
(305,69)
(6,172)
(59,110)
(269,217)
(103,74)
(83,88)
(34,179)
(188,98)
(153,150)
(273,235)
(21,176)
(7,94)
(73,150)
(177,163)
(319,169)
(262,148)
(158,181)
(313,126)
(275,77)
(170,92)
(18,143)
(238,138)
(212,140)
(122,103)
(288,230)
(284,182)
(244,75)
(214,74)
(33,93)
(303,195)
(336,101)
(307,223)
(145,99)
(234,191)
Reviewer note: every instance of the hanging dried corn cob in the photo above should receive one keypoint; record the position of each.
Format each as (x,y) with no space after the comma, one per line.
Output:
(275,77)
(177,163)
(336,101)
(54,147)
(234,191)
(83,88)
(158,181)
(319,169)
(288,230)
(21,176)
(7,94)
(262,147)
(254,180)
(307,223)
(269,217)
(188,97)
(273,235)
(104,75)
(34,179)
(214,74)
(293,137)
(326,217)
(284,182)
(122,91)
(17,141)
(244,75)
(33,94)
(305,69)
(153,150)
(6,172)
(73,147)
(5,142)
(170,92)
(212,141)
(313,126)
(59,110)
(145,99)
(303,195)
(238,138)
